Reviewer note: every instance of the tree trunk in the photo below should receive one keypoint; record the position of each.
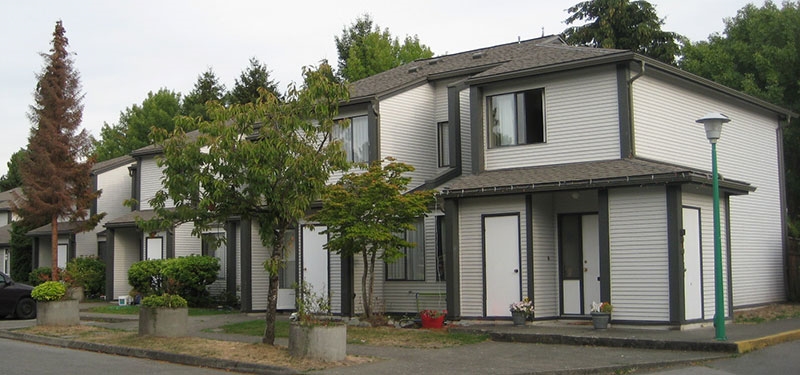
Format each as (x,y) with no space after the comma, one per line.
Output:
(54,247)
(272,296)
(365,297)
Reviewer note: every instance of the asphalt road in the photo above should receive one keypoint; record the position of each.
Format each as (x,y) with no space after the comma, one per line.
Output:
(779,359)
(21,358)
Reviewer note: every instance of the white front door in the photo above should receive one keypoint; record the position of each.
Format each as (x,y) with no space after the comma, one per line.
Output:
(287,275)
(591,262)
(501,259)
(315,260)
(692,265)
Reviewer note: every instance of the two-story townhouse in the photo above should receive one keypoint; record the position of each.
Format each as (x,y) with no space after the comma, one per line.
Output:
(6,218)
(571,175)
(111,177)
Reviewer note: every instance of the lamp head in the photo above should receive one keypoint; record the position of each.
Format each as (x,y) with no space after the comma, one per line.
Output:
(713,123)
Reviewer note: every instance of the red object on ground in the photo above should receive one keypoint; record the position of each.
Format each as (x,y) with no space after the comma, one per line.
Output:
(432,322)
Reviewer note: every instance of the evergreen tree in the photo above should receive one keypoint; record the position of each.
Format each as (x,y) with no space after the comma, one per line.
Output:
(12,178)
(622,24)
(55,174)
(206,89)
(364,50)
(245,89)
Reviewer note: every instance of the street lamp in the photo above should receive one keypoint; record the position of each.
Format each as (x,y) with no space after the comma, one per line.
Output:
(713,123)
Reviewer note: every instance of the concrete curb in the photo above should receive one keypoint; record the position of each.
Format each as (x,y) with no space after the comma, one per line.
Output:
(182,359)
(614,342)
(745,346)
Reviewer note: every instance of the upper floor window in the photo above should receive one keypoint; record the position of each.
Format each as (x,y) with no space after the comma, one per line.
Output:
(355,139)
(444,144)
(516,118)
(412,265)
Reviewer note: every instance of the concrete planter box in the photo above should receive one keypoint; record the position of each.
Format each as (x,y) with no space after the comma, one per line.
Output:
(321,342)
(76,293)
(163,321)
(57,313)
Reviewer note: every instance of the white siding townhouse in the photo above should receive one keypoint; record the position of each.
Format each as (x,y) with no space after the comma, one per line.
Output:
(6,218)
(111,177)
(571,175)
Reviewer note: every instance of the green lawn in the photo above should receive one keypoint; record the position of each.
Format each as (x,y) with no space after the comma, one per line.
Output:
(134,310)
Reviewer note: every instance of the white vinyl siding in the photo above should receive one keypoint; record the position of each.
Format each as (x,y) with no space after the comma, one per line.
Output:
(466,131)
(639,261)
(150,180)
(127,251)
(335,276)
(747,151)
(705,203)
(471,247)
(259,278)
(408,131)
(401,296)
(185,242)
(116,187)
(582,121)
(545,257)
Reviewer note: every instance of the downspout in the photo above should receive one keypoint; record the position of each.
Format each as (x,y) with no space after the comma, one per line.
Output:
(630,107)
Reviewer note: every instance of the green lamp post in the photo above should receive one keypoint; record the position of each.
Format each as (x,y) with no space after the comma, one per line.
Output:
(713,124)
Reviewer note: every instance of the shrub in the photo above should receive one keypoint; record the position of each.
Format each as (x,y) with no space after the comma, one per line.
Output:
(49,291)
(88,272)
(171,301)
(39,275)
(186,276)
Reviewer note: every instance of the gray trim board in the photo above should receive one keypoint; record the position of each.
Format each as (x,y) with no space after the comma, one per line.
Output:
(625,111)
(373,130)
(109,260)
(93,208)
(451,259)
(348,285)
(476,128)
(454,125)
(604,227)
(170,243)
(529,243)
(230,261)
(246,266)
(675,254)
(784,205)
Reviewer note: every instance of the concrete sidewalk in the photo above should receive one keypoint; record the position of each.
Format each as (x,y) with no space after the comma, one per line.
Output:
(536,348)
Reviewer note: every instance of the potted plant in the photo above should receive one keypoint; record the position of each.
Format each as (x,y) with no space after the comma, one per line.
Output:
(601,314)
(53,307)
(432,318)
(521,311)
(315,333)
(166,315)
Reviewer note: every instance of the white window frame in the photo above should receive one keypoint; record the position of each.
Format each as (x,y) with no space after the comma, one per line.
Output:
(505,113)
(151,243)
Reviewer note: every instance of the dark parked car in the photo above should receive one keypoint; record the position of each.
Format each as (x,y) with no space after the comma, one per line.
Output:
(15,299)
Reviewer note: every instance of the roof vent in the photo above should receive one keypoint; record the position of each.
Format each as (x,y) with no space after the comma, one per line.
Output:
(414,69)
(434,61)
(478,55)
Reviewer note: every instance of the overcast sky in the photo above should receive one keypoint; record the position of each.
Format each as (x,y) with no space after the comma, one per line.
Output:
(124,49)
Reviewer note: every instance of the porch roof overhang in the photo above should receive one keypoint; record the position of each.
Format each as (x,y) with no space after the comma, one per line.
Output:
(581,176)
(129,220)
(64,227)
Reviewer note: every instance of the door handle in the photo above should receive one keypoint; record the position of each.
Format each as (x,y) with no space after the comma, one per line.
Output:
(516,271)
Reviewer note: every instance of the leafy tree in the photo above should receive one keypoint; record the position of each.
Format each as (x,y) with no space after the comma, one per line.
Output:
(364,50)
(12,178)
(758,54)
(133,130)
(55,174)
(622,24)
(21,250)
(265,162)
(245,89)
(207,88)
(364,212)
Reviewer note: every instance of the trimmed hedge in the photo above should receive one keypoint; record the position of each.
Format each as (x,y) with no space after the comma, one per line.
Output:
(49,291)
(187,277)
(88,272)
(171,301)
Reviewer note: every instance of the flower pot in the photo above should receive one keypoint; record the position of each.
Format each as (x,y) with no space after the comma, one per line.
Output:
(76,293)
(519,317)
(326,342)
(163,321)
(428,322)
(600,320)
(58,313)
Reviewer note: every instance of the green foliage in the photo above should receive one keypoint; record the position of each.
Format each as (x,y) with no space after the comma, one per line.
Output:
(49,291)
(255,77)
(364,212)
(206,89)
(146,278)
(311,305)
(39,275)
(758,54)
(88,272)
(172,301)
(132,131)
(188,277)
(622,24)
(365,50)
(21,251)
(13,178)
(265,162)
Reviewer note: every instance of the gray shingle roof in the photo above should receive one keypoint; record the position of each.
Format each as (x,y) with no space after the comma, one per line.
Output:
(485,62)
(106,165)
(622,172)
(7,196)
(129,220)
